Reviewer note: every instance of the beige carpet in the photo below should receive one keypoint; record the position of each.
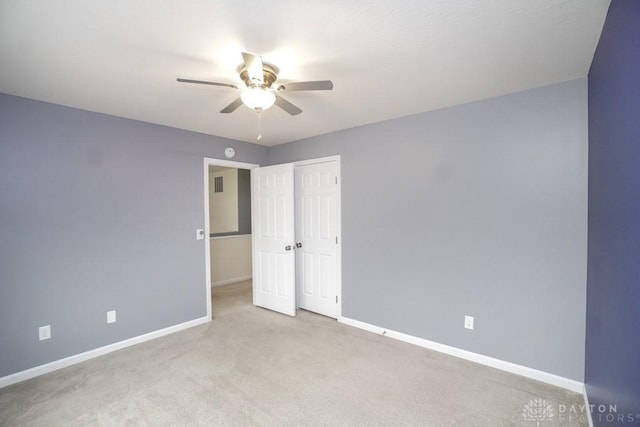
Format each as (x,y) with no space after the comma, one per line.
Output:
(254,367)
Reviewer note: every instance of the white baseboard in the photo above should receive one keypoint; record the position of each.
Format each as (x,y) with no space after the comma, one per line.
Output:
(524,371)
(81,357)
(230,281)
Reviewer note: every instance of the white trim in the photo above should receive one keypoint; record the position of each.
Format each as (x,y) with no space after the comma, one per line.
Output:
(229,163)
(339,232)
(207,248)
(97,352)
(587,408)
(229,281)
(524,371)
(318,160)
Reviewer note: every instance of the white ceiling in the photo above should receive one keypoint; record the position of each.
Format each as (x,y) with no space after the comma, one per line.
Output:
(386,58)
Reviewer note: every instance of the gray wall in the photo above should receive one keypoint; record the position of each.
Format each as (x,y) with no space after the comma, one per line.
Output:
(477,209)
(97,213)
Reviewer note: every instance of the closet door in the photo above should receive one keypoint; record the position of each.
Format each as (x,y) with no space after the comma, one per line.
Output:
(273,238)
(316,205)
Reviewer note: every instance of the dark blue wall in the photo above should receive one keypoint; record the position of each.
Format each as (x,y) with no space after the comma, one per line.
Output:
(613,280)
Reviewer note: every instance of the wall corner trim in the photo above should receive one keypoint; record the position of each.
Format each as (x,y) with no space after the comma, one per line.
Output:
(513,368)
(97,352)
(586,405)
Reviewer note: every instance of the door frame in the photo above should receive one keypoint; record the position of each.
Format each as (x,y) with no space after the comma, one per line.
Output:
(209,161)
(338,228)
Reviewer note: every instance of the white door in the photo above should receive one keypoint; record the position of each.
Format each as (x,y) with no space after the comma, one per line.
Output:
(272,217)
(316,187)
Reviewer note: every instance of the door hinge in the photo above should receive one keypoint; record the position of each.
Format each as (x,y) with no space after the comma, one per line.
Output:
(336,299)
(336,179)
(336,240)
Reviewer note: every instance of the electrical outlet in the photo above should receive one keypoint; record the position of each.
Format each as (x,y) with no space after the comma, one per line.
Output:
(468,322)
(44,332)
(111,316)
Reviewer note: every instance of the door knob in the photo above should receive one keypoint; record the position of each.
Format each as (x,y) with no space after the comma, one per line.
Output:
(299,245)
(288,248)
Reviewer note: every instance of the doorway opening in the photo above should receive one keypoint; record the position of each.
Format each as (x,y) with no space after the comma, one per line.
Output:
(227,203)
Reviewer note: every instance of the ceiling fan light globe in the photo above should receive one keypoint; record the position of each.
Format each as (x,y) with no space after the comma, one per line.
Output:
(258,98)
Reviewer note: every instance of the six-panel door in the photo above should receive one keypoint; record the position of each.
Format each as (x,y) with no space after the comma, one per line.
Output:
(273,238)
(316,235)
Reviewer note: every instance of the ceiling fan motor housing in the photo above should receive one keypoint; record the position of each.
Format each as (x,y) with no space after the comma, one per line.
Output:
(269,76)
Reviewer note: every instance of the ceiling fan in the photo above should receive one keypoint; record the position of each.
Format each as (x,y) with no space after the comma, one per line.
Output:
(262,91)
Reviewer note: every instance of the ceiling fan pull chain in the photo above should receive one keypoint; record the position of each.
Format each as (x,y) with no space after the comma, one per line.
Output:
(259,110)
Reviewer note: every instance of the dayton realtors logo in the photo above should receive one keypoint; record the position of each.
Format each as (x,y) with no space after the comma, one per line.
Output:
(540,410)
(537,410)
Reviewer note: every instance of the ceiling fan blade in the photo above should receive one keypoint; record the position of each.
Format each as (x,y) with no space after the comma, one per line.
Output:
(317,85)
(287,106)
(232,107)
(253,64)
(202,82)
